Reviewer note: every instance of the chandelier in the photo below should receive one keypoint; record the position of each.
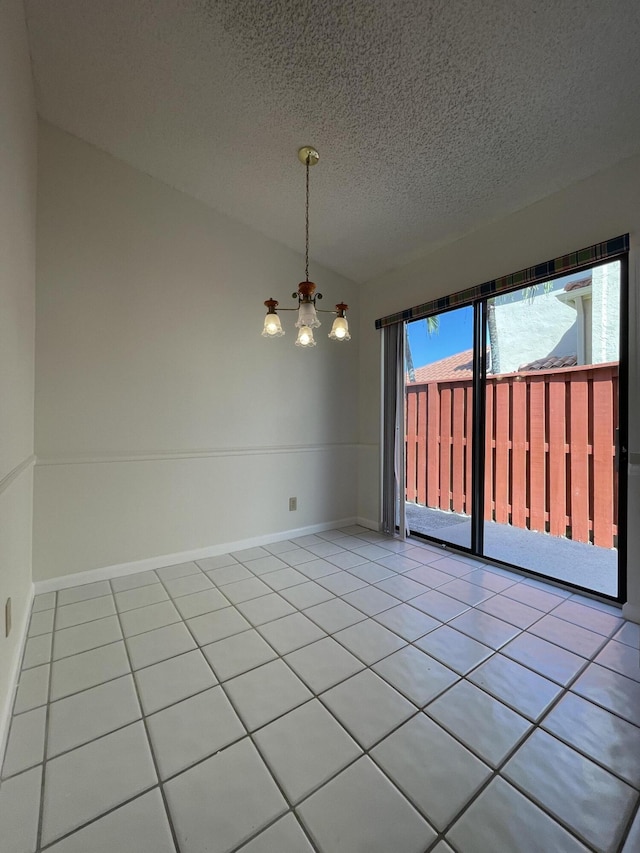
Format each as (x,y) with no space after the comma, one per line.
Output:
(306,293)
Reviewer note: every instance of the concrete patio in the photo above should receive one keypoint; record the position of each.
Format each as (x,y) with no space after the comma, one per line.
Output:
(556,557)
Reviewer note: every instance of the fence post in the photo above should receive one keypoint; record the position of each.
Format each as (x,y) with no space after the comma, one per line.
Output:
(422,472)
(537,454)
(411,434)
(445,448)
(488,452)
(501,475)
(603,453)
(433,445)
(458,449)
(579,454)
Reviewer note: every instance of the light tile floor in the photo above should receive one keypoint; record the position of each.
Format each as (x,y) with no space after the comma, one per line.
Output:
(307,695)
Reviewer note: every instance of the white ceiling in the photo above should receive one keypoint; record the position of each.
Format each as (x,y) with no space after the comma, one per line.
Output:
(431,116)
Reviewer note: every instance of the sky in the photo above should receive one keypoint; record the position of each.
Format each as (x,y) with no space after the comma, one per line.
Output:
(454,335)
(456,331)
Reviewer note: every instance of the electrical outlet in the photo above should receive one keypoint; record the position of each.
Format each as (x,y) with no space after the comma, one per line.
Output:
(293,504)
(7,617)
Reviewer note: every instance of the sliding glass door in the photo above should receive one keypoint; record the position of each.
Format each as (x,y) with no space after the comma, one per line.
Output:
(551,420)
(514,406)
(439,359)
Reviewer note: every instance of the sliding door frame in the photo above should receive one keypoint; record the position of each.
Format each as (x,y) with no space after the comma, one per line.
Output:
(622,454)
(479,424)
(476,549)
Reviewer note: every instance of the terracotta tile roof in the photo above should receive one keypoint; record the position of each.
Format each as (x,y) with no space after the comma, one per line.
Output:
(551,362)
(576,285)
(458,366)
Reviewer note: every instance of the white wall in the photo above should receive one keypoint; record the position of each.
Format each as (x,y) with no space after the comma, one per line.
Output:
(529,329)
(593,210)
(17,293)
(164,421)
(605,318)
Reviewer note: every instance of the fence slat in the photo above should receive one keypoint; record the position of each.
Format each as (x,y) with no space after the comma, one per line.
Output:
(557,462)
(422,446)
(603,455)
(537,456)
(445,449)
(411,437)
(468,490)
(433,445)
(579,457)
(549,453)
(501,486)
(488,451)
(519,454)
(457,486)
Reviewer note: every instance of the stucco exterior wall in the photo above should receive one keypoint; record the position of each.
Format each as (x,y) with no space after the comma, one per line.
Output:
(605,314)
(529,329)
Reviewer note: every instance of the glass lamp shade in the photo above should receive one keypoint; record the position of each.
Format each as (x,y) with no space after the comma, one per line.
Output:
(307,316)
(272,327)
(340,330)
(305,337)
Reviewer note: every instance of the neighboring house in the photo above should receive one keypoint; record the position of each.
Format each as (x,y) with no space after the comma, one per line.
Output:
(576,316)
(454,367)
(549,362)
(532,328)
(596,301)
(574,320)
(460,366)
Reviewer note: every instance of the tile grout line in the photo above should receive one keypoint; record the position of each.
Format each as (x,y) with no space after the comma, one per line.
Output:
(496,773)
(364,751)
(91,821)
(563,692)
(257,627)
(3,757)
(150,744)
(315,790)
(172,600)
(412,643)
(224,693)
(46,731)
(163,660)
(536,725)
(497,770)
(314,696)
(635,814)
(237,740)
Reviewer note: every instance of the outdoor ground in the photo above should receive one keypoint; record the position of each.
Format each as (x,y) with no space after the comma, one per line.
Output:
(556,557)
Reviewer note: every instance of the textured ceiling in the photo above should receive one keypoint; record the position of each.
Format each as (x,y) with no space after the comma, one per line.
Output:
(431,116)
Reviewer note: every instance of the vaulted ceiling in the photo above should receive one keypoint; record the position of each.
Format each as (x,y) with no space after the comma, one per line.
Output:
(432,117)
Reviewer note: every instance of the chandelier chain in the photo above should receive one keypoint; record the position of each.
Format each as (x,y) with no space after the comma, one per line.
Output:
(306,268)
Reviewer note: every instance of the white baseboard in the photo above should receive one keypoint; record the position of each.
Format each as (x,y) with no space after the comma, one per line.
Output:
(367,522)
(631,612)
(159,562)
(7,706)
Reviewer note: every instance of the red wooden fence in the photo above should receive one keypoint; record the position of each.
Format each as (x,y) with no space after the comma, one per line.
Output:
(549,450)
